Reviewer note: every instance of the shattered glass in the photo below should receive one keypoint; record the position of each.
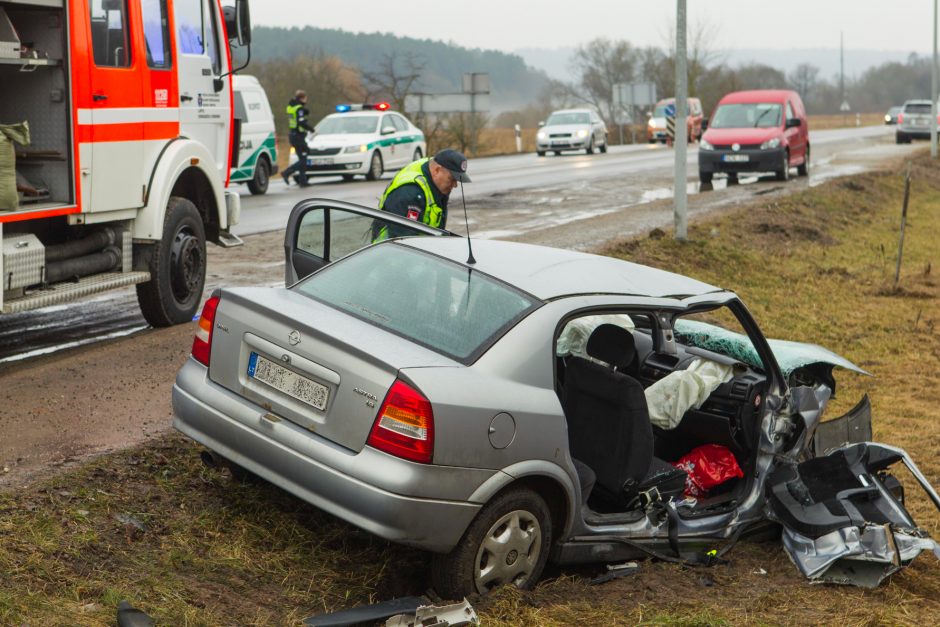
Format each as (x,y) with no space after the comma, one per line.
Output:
(789,355)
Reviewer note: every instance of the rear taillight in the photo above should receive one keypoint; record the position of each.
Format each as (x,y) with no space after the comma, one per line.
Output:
(202,343)
(900,118)
(404,426)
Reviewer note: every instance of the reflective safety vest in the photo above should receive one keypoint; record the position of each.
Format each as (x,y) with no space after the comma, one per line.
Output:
(292,110)
(412,174)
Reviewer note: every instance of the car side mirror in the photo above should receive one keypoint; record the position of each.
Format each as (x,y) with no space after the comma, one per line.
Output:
(794,122)
(388,130)
(238,22)
(541,124)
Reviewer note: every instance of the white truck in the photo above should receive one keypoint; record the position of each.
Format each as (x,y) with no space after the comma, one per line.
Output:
(120,178)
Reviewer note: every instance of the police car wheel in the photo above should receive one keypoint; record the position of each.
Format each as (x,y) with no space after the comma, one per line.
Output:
(376,169)
(177,265)
(259,184)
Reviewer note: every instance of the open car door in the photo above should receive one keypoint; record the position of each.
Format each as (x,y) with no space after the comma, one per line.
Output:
(321,231)
(843,513)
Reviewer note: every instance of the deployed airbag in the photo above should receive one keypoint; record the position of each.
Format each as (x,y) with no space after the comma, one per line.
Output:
(673,395)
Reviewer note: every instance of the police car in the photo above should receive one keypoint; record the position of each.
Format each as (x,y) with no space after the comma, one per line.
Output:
(364,139)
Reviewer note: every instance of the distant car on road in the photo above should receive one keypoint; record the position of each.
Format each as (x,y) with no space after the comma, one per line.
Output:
(571,129)
(756,131)
(656,125)
(914,121)
(498,412)
(367,139)
(257,148)
(891,117)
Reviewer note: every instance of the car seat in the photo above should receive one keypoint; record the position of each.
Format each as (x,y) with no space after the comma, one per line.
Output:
(609,428)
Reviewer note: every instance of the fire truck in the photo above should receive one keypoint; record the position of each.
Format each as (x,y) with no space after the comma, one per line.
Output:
(120,114)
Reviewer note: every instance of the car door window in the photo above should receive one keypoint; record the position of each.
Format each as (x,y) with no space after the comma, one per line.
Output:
(110,40)
(789,110)
(386,123)
(399,123)
(319,235)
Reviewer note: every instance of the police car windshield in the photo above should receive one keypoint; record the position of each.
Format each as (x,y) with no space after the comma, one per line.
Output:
(558,119)
(750,115)
(348,125)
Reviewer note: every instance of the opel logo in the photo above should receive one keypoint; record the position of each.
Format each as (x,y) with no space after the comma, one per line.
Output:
(735,147)
(294,338)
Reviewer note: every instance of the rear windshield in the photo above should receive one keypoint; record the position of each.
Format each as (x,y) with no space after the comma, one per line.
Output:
(751,115)
(917,108)
(431,301)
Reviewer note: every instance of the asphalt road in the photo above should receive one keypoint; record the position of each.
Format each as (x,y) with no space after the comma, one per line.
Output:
(498,175)
(574,201)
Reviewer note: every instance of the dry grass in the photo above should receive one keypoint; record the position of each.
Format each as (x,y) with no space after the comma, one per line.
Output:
(816,266)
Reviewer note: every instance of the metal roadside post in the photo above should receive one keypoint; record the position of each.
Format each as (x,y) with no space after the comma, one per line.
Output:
(518,131)
(933,88)
(681,129)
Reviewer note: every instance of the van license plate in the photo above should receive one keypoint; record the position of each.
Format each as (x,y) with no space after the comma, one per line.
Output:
(735,158)
(288,381)
(322,162)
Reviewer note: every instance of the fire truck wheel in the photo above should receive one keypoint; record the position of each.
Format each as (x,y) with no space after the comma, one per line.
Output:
(259,184)
(177,265)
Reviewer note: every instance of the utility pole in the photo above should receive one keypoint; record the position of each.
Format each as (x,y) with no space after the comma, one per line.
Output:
(682,92)
(933,89)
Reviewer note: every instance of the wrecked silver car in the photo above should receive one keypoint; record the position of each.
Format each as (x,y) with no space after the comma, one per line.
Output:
(535,404)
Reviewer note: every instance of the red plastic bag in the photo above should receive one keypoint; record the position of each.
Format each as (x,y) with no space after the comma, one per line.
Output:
(707,466)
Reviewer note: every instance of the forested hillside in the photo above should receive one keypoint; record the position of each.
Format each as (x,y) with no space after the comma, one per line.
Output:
(514,84)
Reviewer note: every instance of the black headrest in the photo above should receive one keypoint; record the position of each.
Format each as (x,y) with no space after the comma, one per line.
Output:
(613,345)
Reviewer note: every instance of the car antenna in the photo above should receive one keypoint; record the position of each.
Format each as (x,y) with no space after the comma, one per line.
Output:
(470,260)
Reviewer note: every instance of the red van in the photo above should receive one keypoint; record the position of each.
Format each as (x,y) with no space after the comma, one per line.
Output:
(756,131)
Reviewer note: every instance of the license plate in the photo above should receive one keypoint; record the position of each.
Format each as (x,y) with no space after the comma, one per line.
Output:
(559,142)
(322,161)
(735,158)
(288,381)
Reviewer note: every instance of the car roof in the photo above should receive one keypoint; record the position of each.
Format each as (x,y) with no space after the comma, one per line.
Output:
(917,101)
(550,273)
(370,112)
(572,111)
(756,95)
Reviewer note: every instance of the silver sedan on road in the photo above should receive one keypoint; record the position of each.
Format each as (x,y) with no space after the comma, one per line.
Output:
(527,405)
(571,129)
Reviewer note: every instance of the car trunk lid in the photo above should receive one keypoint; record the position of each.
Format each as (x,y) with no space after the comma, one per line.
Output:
(308,363)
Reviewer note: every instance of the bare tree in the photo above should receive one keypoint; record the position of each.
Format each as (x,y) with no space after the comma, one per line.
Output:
(700,51)
(601,64)
(804,78)
(394,78)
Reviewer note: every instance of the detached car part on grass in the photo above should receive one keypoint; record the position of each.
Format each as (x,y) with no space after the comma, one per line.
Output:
(423,399)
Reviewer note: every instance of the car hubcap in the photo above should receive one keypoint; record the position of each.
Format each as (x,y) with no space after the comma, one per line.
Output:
(262,175)
(186,262)
(509,552)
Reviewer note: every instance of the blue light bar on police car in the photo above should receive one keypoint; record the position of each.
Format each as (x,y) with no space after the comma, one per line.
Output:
(378,106)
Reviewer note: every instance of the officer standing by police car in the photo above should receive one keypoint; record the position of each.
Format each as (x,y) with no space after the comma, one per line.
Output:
(420,191)
(297,113)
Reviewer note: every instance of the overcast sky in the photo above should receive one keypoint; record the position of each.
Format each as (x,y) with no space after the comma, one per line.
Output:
(902,25)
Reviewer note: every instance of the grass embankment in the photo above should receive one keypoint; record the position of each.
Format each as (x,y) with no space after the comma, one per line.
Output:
(192,546)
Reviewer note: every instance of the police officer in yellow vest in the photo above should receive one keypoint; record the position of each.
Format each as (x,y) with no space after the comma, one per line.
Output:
(421,189)
(297,113)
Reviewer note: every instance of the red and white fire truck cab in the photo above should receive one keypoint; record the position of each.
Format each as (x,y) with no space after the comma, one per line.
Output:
(129,109)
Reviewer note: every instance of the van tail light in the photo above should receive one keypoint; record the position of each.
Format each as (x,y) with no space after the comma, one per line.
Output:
(900,118)
(404,426)
(202,343)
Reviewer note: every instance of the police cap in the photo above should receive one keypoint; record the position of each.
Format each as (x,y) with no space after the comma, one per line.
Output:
(455,162)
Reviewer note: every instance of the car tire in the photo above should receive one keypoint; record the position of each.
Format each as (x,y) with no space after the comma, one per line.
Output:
(177,265)
(417,155)
(258,185)
(590,149)
(803,168)
(603,147)
(520,525)
(540,153)
(376,168)
(783,174)
(705,177)
(348,177)
(557,153)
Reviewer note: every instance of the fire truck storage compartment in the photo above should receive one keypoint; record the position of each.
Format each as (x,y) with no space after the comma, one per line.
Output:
(34,88)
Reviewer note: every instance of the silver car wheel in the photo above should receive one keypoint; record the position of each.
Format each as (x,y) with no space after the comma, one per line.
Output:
(509,552)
